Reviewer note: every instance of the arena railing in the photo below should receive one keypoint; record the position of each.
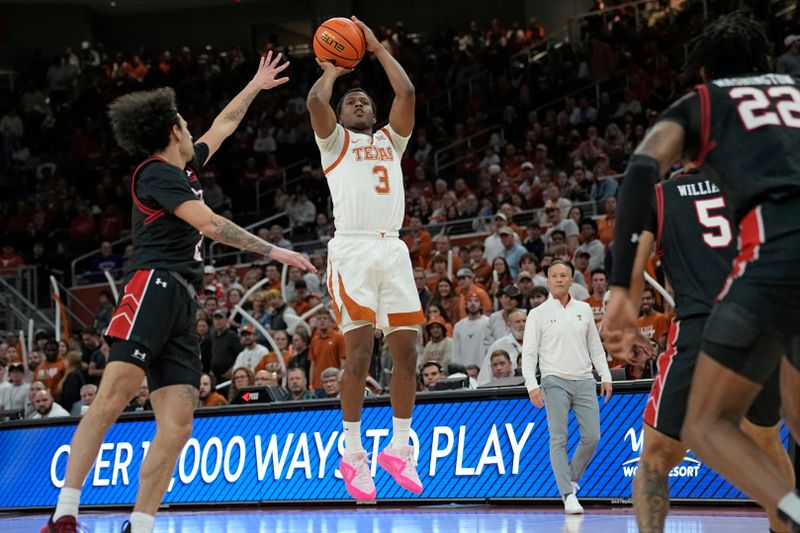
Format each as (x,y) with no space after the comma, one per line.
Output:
(285,181)
(443,158)
(16,309)
(78,278)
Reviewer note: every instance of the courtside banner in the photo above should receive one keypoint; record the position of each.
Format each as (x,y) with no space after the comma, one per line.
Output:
(469,449)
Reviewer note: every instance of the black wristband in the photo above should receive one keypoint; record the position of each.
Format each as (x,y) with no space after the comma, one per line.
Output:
(635,202)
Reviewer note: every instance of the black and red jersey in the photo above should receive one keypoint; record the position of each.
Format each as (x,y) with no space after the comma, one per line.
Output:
(161,240)
(744,133)
(696,239)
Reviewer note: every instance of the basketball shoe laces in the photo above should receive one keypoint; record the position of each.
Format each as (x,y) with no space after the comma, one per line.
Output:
(360,462)
(406,453)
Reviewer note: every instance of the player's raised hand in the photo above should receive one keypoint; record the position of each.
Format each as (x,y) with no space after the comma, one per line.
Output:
(268,69)
(288,257)
(373,44)
(327,66)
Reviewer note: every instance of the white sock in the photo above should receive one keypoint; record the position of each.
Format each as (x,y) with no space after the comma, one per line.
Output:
(352,437)
(401,427)
(790,505)
(142,523)
(68,500)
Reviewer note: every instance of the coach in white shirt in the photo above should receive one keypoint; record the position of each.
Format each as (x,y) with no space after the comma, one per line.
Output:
(561,338)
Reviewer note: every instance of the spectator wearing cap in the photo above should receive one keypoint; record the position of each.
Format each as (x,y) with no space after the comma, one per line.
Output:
(533,239)
(419,242)
(525,286)
(554,199)
(420,278)
(493,244)
(252,352)
(225,345)
(562,341)
(327,348)
(591,244)
(430,373)
(330,383)
(479,265)
(440,346)
(558,223)
(466,286)
(15,395)
(511,344)
(789,61)
(443,247)
(46,407)
(510,299)
(301,297)
(470,332)
(512,251)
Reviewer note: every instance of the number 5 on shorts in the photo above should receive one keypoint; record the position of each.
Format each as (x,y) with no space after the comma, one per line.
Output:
(383,179)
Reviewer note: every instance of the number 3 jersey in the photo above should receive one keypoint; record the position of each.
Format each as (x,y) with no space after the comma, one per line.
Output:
(696,240)
(744,133)
(161,240)
(365,178)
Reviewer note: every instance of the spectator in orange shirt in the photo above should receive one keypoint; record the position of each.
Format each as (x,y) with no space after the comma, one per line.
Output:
(447,299)
(605,226)
(273,274)
(209,397)
(466,286)
(442,243)
(652,324)
(433,311)
(51,370)
(281,338)
(598,288)
(419,242)
(327,348)
(10,261)
(479,265)
(301,295)
(436,272)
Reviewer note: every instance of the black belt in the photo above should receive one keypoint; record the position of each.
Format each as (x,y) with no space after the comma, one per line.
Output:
(186,285)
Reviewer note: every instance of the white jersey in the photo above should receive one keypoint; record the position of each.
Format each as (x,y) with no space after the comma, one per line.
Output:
(365,178)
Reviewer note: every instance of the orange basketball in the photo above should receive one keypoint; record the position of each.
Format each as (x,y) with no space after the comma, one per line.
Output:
(340,41)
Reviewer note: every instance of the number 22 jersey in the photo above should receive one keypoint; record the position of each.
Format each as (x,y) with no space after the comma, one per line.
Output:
(744,133)
(365,178)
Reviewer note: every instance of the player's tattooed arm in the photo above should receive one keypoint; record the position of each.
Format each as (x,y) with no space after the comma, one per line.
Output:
(226,232)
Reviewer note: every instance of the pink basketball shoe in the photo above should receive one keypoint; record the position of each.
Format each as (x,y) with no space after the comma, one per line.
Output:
(400,464)
(357,476)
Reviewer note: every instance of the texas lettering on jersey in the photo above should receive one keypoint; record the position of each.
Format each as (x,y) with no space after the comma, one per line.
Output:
(373,153)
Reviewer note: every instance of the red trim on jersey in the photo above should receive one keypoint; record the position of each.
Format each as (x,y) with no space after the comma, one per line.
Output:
(751,237)
(660,216)
(345,145)
(124,317)
(664,364)
(706,143)
(151,214)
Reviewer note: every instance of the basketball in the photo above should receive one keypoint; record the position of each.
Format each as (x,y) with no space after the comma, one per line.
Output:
(340,41)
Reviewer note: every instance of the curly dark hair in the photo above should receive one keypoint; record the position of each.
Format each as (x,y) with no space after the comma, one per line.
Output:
(732,45)
(142,120)
(355,90)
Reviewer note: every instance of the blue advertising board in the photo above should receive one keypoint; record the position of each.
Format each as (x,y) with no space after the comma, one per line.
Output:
(469,449)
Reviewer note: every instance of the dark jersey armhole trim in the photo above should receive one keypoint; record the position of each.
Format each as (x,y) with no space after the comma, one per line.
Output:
(706,142)
(660,217)
(150,213)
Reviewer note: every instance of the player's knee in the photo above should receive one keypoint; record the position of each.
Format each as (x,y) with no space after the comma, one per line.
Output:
(662,457)
(592,438)
(558,441)
(176,430)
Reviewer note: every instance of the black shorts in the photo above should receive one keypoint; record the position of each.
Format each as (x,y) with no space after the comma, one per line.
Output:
(154,328)
(758,310)
(666,407)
